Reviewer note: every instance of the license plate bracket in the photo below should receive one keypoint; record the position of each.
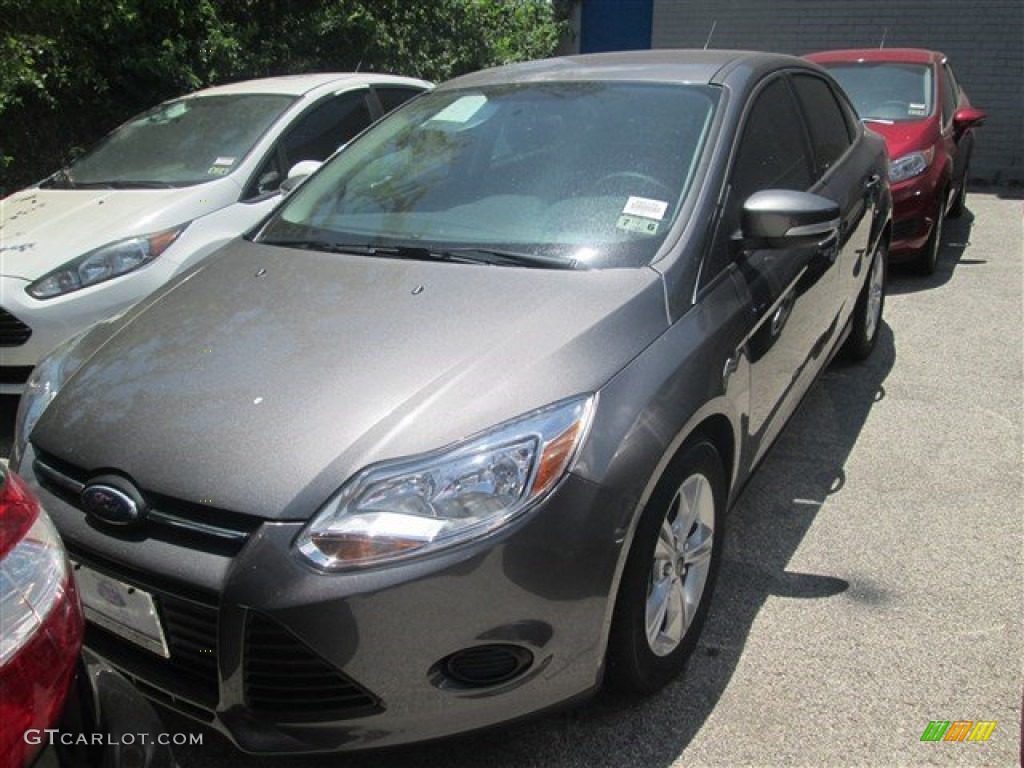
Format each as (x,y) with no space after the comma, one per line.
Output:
(121,608)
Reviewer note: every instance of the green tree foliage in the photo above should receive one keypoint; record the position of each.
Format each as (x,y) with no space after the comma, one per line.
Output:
(71,70)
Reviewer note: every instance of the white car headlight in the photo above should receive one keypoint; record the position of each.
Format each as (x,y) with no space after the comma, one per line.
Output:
(43,384)
(909,166)
(104,263)
(408,508)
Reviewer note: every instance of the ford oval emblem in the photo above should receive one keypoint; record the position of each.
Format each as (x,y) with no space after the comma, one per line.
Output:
(111,505)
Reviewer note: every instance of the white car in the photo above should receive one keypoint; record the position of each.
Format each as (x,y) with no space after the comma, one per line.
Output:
(160,193)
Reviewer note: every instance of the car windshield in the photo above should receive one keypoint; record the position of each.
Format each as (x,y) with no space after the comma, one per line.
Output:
(887,91)
(177,144)
(572,175)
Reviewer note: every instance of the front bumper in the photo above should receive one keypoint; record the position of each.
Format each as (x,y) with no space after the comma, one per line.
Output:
(916,207)
(283,658)
(105,723)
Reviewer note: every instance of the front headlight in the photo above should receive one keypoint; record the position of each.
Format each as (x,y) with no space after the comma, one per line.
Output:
(909,166)
(404,509)
(104,263)
(43,385)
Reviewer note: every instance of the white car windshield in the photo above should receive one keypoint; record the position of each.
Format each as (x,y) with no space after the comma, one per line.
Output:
(565,174)
(179,143)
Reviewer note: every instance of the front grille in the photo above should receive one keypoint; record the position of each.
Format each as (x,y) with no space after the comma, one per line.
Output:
(190,627)
(15,374)
(188,524)
(287,681)
(13,332)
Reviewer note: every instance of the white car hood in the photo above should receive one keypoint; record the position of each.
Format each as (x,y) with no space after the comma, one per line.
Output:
(41,229)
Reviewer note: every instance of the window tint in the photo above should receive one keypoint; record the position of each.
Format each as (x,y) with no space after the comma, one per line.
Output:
(314,137)
(327,127)
(772,154)
(830,134)
(392,98)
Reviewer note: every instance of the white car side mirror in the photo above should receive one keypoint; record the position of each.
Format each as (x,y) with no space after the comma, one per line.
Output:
(298,174)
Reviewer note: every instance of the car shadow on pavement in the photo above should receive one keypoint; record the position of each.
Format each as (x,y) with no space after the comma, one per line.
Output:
(764,530)
(956,238)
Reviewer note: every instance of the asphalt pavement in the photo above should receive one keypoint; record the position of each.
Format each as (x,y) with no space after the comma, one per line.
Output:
(872,575)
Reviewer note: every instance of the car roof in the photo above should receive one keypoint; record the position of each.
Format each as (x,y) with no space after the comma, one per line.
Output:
(894,55)
(667,66)
(298,85)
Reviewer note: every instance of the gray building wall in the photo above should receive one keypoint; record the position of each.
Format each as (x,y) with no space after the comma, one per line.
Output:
(984,40)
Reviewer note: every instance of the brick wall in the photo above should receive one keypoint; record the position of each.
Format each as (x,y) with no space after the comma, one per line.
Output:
(984,40)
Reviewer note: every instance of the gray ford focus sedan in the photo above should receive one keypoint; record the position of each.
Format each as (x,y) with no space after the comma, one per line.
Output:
(448,439)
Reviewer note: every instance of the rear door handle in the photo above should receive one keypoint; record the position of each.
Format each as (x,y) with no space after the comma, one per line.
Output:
(872,182)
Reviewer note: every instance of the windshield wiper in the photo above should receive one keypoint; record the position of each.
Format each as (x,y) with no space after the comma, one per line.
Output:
(513,258)
(62,180)
(463,255)
(882,120)
(360,249)
(121,184)
(59,180)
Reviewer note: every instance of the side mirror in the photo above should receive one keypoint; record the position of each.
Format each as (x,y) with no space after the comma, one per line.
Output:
(968,117)
(298,174)
(783,218)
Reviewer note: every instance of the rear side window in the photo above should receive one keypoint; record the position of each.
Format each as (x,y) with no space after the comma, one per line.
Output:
(830,132)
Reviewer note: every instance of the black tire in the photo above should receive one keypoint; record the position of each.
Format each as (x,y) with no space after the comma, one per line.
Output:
(866,320)
(635,662)
(928,257)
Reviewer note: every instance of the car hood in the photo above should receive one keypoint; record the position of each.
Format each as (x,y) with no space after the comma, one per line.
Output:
(41,229)
(901,138)
(265,377)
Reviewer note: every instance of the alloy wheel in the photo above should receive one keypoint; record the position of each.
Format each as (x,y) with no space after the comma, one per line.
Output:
(682,561)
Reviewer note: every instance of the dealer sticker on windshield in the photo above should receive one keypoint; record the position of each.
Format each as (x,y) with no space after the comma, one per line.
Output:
(646,208)
(638,224)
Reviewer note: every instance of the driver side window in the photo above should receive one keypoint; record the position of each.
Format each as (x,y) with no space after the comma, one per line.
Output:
(771,153)
(315,136)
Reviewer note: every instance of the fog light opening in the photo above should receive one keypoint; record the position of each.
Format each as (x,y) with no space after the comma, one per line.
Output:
(484,665)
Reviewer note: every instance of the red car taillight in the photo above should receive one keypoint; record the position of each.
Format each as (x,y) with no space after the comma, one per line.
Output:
(40,622)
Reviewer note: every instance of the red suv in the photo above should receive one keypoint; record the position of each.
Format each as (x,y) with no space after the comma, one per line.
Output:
(912,98)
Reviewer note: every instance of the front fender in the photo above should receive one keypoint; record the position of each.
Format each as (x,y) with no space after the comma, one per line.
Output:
(690,377)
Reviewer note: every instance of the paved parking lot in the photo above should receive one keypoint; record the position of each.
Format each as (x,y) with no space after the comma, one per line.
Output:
(872,579)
